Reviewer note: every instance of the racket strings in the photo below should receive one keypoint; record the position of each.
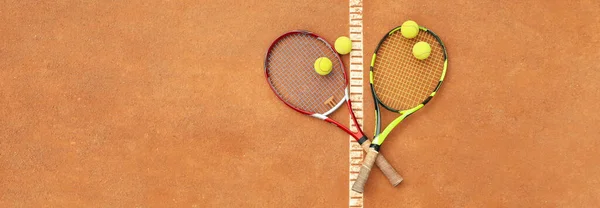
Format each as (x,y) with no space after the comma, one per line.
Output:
(402,81)
(291,74)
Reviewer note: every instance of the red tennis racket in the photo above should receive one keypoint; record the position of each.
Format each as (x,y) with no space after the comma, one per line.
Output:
(290,74)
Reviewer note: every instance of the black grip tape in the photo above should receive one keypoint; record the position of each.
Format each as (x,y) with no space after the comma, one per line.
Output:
(375,147)
(362,139)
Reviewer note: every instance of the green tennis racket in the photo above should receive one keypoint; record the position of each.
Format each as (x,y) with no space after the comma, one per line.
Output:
(401,83)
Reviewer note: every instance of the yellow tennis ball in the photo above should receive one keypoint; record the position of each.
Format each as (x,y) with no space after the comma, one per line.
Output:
(343,45)
(323,66)
(409,29)
(421,50)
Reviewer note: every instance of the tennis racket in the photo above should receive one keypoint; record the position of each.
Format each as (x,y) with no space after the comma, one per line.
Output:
(401,83)
(290,74)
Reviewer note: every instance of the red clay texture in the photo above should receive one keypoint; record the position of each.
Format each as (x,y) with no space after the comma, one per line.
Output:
(164,104)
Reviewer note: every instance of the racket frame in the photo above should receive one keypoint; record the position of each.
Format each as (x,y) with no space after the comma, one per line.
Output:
(379,136)
(323,116)
(392,175)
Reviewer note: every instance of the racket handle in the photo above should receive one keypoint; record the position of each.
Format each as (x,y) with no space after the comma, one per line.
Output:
(390,173)
(365,170)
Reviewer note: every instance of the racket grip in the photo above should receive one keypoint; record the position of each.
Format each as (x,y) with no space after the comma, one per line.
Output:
(365,170)
(390,173)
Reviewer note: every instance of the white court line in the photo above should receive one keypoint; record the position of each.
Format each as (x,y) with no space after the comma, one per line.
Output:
(356,96)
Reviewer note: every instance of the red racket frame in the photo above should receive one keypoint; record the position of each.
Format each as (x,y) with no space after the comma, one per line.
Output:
(393,177)
(357,135)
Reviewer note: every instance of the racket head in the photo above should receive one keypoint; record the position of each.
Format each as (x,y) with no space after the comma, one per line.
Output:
(289,71)
(399,81)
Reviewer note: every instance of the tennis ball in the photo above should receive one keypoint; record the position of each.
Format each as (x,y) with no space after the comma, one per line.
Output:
(323,66)
(421,50)
(409,29)
(343,45)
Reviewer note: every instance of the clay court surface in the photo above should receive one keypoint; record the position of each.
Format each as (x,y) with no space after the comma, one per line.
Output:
(164,104)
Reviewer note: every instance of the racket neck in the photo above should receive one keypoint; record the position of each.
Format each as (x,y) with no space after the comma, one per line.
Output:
(377,112)
(353,116)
